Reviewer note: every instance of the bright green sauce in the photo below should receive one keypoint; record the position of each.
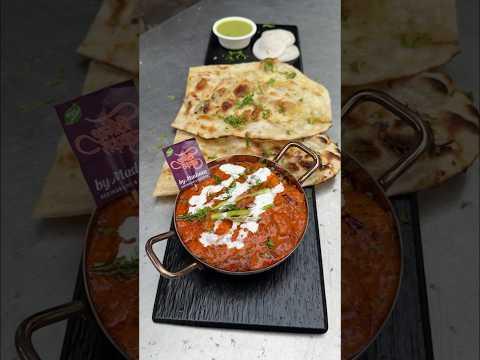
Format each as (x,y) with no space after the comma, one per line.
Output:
(234,28)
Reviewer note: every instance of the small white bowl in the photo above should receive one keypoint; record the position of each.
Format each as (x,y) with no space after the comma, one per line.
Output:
(234,42)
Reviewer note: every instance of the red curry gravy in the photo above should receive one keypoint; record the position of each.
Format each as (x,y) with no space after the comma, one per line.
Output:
(225,236)
(113,282)
(370,267)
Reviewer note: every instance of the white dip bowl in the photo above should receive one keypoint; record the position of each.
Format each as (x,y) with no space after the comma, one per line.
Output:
(234,42)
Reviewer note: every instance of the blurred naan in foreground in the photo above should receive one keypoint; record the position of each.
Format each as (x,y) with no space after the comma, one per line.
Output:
(388,39)
(296,161)
(113,36)
(65,191)
(261,100)
(378,139)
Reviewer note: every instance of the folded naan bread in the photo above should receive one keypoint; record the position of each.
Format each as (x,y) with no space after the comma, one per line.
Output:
(113,36)
(65,192)
(261,100)
(378,139)
(389,39)
(296,161)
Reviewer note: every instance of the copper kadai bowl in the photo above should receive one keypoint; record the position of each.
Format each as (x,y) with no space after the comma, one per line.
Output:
(376,189)
(83,308)
(272,164)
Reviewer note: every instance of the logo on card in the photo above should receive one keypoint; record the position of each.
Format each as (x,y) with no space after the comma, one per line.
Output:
(169,152)
(187,163)
(72,115)
(102,129)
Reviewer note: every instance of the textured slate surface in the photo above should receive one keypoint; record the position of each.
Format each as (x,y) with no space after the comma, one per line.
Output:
(289,297)
(407,334)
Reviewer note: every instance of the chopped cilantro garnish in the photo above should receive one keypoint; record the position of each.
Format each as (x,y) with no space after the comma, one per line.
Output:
(268,26)
(229,207)
(289,74)
(266,114)
(266,207)
(171,97)
(247,100)
(247,141)
(234,121)
(268,65)
(121,267)
(217,179)
(198,215)
(235,55)
(271,82)
(269,243)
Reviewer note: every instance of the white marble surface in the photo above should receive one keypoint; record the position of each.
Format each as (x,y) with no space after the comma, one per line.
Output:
(166,53)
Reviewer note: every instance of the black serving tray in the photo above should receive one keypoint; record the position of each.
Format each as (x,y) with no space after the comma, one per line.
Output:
(216,54)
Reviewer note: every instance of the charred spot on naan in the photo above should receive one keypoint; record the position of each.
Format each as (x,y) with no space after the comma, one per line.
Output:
(201,85)
(241,90)
(227,105)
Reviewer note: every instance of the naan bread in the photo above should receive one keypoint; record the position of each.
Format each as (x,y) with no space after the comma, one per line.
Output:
(113,36)
(65,192)
(378,139)
(296,161)
(388,39)
(101,75)
(261,100)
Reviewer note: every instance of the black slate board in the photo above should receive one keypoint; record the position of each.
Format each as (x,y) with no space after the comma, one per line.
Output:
(216,54)
(289,297)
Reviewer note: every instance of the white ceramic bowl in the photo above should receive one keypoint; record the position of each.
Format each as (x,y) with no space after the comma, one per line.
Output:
(234,42)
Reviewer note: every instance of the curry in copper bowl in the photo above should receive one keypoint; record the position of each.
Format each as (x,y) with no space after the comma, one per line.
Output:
(247,217)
